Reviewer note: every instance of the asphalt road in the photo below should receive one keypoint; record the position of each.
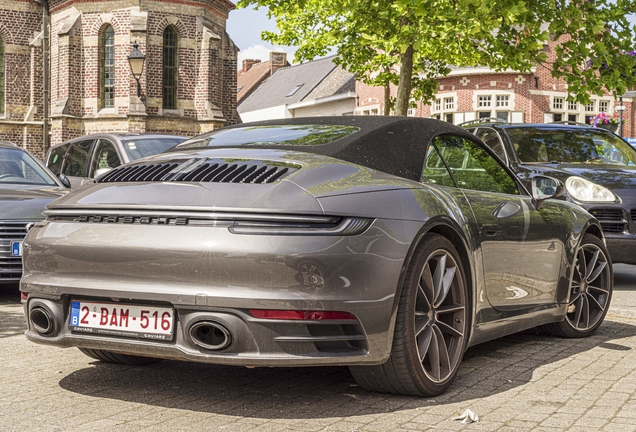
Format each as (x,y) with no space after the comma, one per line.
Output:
(525,382)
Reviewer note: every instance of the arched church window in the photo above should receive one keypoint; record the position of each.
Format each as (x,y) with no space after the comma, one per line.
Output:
(107,67)
(170,56)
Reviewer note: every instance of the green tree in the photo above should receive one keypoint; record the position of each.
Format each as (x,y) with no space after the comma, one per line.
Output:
(410,43)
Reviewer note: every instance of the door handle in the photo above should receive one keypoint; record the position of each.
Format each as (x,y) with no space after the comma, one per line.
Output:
(491,230)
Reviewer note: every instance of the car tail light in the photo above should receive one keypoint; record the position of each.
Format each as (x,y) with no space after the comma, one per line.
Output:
(300,315)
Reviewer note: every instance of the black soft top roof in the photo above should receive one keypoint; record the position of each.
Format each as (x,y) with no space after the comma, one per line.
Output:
(394,145)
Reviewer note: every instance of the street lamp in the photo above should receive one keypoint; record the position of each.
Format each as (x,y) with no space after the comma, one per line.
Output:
(620,108)
(136,59)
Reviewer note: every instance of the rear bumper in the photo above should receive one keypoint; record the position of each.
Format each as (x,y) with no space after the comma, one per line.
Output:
(209,274)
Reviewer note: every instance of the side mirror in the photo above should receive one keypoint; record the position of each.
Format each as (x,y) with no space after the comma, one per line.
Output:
(65,181)
(101,171)
(544,188)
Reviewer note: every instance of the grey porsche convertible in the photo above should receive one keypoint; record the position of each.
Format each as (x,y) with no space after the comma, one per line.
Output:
(387,244)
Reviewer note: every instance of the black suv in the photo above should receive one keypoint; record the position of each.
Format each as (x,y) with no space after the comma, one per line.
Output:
(596,166)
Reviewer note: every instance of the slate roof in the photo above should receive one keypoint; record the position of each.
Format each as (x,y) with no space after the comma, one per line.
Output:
(277,89)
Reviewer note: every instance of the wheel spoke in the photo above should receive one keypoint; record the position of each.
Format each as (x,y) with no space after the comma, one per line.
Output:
(579,308)
(421,321)
(424,342)
(449,309)
(602,290)
(591,265)
(444,359)
(433,355)
(582,269)
(596,272)
(426,284)
(594,302)
(446,284)
(449,330)
(585,315)
(422,303)
(577,295)
(438,278)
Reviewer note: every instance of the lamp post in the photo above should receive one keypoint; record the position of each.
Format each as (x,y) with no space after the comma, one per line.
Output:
(136,59)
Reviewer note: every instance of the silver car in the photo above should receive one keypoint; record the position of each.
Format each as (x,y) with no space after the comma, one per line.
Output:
(82,159)
(386,244)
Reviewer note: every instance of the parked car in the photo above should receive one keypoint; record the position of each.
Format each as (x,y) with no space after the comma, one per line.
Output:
(597,167)
(388,244)
(82,159)
(26,186)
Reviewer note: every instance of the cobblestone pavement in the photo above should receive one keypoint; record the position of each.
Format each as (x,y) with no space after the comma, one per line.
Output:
(525,382)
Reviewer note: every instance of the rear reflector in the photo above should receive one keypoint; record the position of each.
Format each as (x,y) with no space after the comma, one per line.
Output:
(24,296)
(300,315)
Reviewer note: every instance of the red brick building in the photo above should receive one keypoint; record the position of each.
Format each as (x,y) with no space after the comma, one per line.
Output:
(471,93)
(189,78)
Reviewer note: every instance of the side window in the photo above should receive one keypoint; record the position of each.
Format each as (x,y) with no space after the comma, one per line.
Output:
(75,160)
(492,140)
(434,169)
(476,169)
(55,159)
(105,156)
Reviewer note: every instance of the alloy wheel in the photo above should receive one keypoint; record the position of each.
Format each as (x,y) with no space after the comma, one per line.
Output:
(589,291)
(440,316)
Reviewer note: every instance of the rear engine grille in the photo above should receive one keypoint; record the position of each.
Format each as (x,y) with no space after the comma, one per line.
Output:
(10,267)
(612,220)
(204,171)
(633,215)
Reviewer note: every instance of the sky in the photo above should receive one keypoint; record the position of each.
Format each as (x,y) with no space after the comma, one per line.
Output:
(245,26)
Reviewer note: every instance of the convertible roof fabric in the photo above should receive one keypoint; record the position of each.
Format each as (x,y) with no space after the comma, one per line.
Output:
(394,145)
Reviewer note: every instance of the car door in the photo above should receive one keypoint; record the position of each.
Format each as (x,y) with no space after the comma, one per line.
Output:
(75,160)
(522,248)
(105,155)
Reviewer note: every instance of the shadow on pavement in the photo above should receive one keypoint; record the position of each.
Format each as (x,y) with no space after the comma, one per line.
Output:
(281,393)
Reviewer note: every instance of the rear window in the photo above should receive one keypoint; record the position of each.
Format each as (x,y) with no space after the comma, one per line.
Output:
(283,135)
(138,148)
(589,146)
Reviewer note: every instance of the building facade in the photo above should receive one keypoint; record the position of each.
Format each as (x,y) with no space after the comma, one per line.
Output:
(188,84)
(468,94)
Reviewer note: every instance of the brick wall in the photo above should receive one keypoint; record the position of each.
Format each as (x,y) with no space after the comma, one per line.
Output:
(75,75)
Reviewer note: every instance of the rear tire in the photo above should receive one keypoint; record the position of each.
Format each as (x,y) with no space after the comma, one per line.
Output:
(591,290)
(431,326)
(111,357)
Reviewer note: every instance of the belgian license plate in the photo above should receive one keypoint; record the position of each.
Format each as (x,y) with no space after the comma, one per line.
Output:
(145,322)
(16,248)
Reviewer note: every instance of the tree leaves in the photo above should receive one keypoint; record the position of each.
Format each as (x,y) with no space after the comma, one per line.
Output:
(374,38)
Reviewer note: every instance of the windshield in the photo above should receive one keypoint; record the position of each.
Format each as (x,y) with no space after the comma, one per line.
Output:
(137,148)
(283,135)
(18,167)
(586,146)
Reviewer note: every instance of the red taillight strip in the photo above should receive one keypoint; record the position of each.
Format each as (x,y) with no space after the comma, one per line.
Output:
(297,315)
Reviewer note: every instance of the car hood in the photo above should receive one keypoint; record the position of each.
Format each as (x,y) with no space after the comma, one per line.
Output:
(609,176)
(318,176)
(26,202)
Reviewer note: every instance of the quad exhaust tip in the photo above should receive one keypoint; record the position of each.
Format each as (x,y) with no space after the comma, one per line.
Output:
(210,335)
(41,320)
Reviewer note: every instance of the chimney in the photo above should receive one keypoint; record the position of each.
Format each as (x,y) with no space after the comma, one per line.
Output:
(248,63)
(277,60)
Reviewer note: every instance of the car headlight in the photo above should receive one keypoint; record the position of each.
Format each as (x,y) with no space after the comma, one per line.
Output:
(584,190)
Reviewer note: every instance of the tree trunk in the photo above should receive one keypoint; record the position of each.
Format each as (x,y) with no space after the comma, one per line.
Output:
(387,98)
(404,85)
